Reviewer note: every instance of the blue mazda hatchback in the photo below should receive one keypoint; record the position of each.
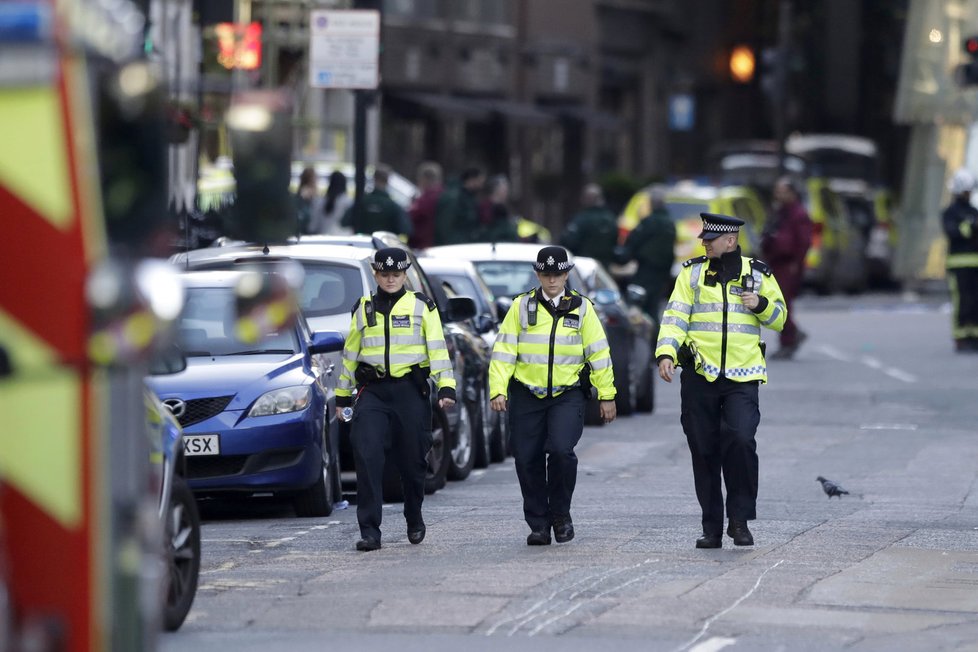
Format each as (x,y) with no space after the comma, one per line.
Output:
(257,417)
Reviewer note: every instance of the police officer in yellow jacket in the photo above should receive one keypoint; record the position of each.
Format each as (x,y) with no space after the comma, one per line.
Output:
(537,371)
(395,342)
(712,327)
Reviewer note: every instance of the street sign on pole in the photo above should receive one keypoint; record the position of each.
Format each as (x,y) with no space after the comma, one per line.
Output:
(344,48)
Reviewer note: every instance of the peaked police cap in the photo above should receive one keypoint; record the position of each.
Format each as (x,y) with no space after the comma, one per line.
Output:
(715,225)
(553,260)
(391,259)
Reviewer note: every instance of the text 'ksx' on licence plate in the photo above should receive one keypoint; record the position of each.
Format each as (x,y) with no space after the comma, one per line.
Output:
(201,445)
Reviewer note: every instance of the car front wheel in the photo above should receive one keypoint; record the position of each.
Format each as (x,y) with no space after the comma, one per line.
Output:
(182,529)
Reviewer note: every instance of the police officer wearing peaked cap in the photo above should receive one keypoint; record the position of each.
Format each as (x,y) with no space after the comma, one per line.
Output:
(712,327)
(543,345)
(395,342)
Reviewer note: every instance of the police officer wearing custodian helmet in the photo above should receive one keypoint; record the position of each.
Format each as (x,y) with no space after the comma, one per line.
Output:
(712,327)
(538,371)
(395,342)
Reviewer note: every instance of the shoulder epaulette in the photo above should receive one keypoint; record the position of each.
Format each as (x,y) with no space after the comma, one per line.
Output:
(761,266)
(353,310)
(693,261)
(427,300)
(575,299)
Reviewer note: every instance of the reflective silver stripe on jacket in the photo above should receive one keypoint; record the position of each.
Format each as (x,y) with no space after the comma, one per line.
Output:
(700,308)
(668,341)
(679,306)
(502,356)
(676,321)
(541,392)
(543,358)
(774,314)
(601,364)
(731,328)
(694,281)
(594,347)
(507,338)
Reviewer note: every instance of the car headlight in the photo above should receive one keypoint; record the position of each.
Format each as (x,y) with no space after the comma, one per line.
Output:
(281,401)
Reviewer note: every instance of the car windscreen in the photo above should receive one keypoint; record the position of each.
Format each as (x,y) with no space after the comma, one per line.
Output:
(329,289)
(682,211)
(207,327)
(512,277)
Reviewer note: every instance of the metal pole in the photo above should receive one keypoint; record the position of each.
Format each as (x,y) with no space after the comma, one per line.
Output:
(781,80)
(359,153)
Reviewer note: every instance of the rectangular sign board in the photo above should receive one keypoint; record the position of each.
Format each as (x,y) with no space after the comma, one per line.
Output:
(344,48)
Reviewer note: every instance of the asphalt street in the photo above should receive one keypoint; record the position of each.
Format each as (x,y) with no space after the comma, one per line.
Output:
(876,400)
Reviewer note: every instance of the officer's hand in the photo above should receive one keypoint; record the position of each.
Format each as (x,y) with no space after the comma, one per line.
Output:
(608,411)
(666,369)
(750,299)
(339,413)
(446,402)
(498,403)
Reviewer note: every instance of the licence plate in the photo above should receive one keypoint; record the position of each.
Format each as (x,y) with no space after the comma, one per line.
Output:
(201,445)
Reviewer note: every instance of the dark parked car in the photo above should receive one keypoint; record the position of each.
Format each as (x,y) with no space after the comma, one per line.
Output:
(256,417)
(630,333)
(460,278)
(178,513)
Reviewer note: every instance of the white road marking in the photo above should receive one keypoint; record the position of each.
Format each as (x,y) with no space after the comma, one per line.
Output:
(888,426)
(871,362)
(714,644)
(709,621)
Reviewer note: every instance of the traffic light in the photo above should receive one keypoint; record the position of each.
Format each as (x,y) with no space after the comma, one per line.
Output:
(967,72)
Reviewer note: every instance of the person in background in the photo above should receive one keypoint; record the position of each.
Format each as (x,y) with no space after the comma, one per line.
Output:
(498,224)
(550,351)
(422,210)
(712,329)
(651,244)
(457,212)
(308,203)
(336,204)
(593,231)
(784,245)
(960,220)
(378,211)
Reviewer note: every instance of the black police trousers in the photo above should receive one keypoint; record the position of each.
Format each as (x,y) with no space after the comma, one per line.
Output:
(963,282)
(543,433)
(390,418)
(720,420)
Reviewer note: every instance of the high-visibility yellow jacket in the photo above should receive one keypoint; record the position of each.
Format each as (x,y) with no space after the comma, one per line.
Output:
(723,333)
(547,353)
(411,334)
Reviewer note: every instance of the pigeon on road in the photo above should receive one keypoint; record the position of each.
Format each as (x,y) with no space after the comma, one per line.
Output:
(830,488)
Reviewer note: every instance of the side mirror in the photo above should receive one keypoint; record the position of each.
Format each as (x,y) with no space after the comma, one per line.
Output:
(635,295)
(606,297)
(503,305)
(484,323)
(326,342)
(461,308)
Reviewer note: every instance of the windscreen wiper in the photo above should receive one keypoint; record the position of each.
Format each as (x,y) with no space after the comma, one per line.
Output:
(261,352)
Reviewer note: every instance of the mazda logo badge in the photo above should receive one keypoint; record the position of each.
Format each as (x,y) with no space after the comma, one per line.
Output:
(176,406)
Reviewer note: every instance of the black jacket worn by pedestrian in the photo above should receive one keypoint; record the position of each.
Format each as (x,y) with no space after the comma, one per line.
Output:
(961,227)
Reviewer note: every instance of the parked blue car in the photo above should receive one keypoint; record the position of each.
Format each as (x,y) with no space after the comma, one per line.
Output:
(258,417)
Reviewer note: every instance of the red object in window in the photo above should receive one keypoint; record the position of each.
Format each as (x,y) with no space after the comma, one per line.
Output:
(239,46)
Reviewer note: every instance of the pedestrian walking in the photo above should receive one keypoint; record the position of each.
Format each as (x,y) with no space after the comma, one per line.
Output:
(960,220)
(423,208)
(378,212)
(550,350)
(395,342)
(652,245)
(336,204)
(457,212)
(784,246)
(712,328)
(593,231)
(308,203)
(498,224)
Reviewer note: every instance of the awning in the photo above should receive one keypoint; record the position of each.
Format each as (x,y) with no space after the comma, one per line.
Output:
(445,105)
(591,117)
(521,112)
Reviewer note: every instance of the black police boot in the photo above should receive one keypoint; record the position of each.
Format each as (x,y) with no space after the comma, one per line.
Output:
(539,538)
(416,534)
(737,530)
(563,529)
(710,541)
(367,544)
